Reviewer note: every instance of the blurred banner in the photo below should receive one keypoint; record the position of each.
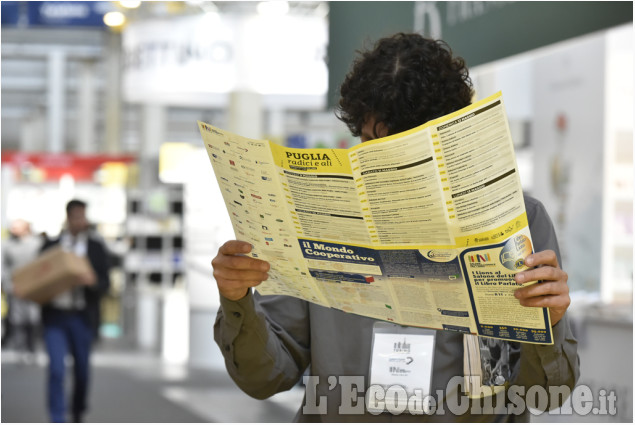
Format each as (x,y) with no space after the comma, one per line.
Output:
(41,167)
(198,60)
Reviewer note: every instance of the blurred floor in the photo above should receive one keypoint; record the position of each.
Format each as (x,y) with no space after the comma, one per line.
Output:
(132,386)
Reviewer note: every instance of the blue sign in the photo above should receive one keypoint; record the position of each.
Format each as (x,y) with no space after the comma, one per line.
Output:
(11,12)
(297,141)
(55,13)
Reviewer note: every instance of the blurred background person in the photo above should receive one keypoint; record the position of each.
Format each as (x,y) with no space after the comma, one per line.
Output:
(23,316)
(71,319)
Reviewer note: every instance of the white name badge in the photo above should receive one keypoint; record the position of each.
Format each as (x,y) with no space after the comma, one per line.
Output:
(400,367)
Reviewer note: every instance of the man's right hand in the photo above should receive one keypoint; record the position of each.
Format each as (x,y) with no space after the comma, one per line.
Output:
(236,273)
(87,278)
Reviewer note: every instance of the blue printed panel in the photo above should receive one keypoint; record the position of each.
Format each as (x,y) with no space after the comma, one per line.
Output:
(337,252)
(341,277)
(411,263)
(515,333)
(454,313)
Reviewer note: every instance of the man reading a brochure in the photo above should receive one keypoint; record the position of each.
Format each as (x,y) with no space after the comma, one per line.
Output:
(271,342)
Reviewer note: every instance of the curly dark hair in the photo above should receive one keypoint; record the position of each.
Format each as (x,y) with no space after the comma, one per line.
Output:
(403,82)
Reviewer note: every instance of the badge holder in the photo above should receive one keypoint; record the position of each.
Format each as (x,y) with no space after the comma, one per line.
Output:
(400,368)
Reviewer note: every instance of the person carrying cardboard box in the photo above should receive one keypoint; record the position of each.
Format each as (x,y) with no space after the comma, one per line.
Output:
(71,319)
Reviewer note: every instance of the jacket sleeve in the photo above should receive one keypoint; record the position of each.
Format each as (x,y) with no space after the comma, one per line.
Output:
(549,365)
(265,342)
(100,261)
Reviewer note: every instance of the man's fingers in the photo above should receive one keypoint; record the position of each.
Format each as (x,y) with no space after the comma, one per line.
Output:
(236,272)
(239,275)
(541,289)
(237,262)
(237,284)
(550,291)
(541,273)
(557,301)
(235,247)
(542,258)
(229,258)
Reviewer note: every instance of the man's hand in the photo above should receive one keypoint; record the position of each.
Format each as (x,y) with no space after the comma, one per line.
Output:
(88,278)
(236,273)
(551,291)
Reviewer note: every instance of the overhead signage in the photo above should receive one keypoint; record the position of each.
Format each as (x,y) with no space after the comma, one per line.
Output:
(199,60)
(52,166)
(484,31)
(55,13)
(479,31)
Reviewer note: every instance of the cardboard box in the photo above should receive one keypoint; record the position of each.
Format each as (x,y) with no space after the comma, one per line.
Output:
(53,272)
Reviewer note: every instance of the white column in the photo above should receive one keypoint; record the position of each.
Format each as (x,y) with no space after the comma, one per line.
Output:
(56,100)
(245,113)
(245,105)
(86,108)
(6,184)
(153,129)
(113,94)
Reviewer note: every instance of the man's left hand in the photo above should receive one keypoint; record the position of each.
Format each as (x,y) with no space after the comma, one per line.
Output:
(551,290)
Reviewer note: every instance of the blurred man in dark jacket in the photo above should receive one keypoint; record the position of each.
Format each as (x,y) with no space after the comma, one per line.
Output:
(71,320)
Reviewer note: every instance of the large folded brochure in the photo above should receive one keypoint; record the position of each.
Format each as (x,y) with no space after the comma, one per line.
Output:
(423,228)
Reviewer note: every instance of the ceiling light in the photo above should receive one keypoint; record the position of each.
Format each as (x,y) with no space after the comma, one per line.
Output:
(130,4)
(114,19)
(273,8)
(206,6)
(211,18)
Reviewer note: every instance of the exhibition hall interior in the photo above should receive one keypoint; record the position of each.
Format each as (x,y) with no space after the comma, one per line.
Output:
(103,101)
